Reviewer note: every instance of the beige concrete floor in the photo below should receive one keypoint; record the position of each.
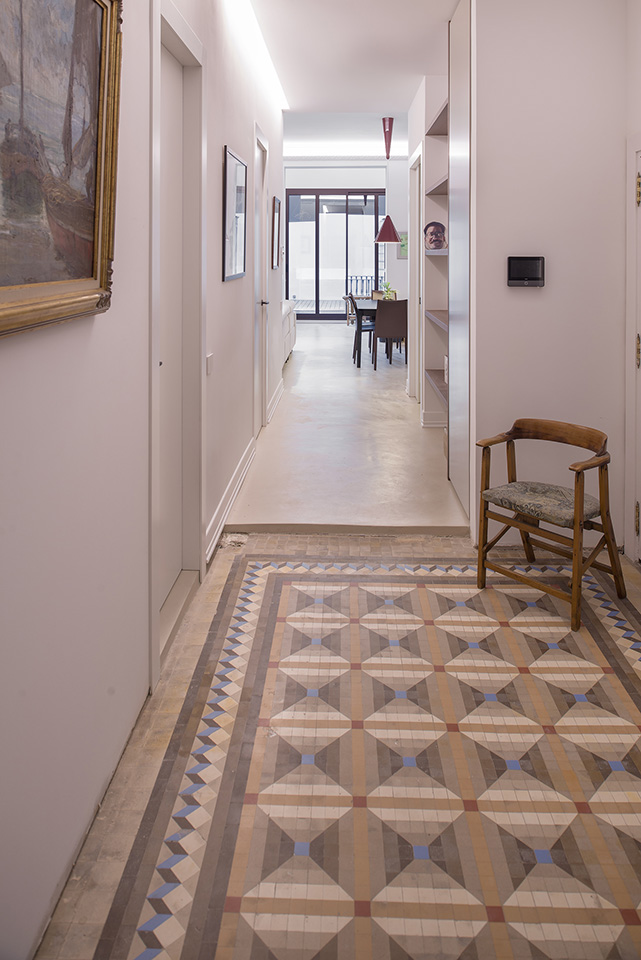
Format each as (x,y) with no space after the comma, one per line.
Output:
(345,450)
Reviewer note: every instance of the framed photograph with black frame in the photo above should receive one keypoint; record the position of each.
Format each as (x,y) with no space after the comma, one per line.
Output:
(59,101)
(275,234)
(234,216)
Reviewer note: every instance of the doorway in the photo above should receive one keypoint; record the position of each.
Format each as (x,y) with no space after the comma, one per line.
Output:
(176,540)
(632,498)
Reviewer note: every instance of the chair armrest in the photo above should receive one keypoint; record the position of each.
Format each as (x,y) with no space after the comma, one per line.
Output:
(499,438)
(589,464)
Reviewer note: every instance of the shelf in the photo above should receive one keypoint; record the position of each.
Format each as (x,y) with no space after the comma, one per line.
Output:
(436,253)
(437,379)
(439,188)
(439,126)
(439,317)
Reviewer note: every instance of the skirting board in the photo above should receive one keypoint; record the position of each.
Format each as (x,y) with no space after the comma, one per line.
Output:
(217,522)
(425,422)
(275,400)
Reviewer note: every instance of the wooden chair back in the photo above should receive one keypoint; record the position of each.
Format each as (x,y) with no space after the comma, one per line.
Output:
(559,432)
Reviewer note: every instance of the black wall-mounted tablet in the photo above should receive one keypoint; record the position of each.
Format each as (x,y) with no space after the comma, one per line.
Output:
(526,271)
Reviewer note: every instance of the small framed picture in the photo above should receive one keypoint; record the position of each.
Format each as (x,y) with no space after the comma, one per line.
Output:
(275,233)
(234,216)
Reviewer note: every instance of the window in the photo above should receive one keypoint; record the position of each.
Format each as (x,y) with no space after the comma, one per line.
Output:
(331,249)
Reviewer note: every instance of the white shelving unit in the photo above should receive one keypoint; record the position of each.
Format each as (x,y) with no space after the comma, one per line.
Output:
(435,274)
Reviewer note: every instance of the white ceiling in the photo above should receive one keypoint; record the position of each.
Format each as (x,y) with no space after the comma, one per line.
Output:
(351,62)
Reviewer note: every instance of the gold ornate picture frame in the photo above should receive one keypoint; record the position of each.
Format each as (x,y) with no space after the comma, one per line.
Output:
(59,105)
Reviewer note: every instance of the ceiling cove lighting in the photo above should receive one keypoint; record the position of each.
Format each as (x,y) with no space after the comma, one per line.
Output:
(388,232)
(248,39)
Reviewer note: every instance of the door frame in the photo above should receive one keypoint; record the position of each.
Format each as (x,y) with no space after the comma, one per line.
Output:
(169,29)
(632,477)
(261,283)
(415,378)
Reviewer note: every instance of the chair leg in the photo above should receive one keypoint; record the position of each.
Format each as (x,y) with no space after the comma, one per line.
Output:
(608,530)
(615,560)
(577,566)
(525,537)
(481,570)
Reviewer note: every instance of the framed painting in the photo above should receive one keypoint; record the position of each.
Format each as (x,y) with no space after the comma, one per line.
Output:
(275,233)
(59,101)
(234,216)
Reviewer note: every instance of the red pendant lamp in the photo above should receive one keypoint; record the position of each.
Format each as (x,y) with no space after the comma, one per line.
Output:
(388,124)
(388,232)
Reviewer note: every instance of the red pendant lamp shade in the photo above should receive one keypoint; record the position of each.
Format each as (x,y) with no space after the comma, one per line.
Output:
(388,123)
(387,233)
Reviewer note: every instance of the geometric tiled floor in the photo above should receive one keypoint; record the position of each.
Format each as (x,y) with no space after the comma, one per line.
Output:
(380,760)
(374,759)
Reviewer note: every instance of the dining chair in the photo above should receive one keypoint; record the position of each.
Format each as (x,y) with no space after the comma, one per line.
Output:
(350,316)
(363,325)
(390,324)
(532,502)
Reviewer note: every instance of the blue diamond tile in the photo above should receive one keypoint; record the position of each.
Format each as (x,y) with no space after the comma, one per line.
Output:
(543,856)
(421,852)
(153,923)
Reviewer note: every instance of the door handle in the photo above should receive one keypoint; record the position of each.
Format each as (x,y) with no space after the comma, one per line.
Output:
(264,303)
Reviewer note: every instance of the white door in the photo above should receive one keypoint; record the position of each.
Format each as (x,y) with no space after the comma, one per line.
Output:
(636,293)
(260,285)
(168,553)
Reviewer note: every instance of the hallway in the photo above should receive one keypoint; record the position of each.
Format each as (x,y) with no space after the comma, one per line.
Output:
(366,758)
(345,450)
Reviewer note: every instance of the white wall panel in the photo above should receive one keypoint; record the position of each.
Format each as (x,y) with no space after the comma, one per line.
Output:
(550,162)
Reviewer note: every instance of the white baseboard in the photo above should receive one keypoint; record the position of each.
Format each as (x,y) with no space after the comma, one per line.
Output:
(440,421)
(275,400)
(217,522)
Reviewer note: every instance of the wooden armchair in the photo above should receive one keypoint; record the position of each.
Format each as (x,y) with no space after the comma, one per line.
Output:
(534,501)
